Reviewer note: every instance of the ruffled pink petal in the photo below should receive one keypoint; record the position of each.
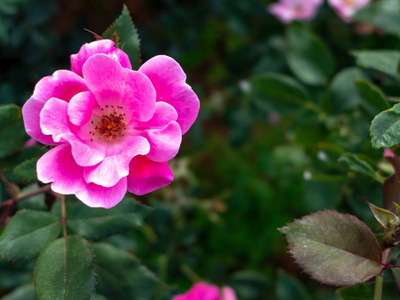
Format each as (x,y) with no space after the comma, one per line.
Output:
(80,108)
(164,143)
(62,85)
(146,175)
(169,80)
(59,167)
(54,121)
(164,114)
(114,167)
(113,84)
(99,196)
(101,46)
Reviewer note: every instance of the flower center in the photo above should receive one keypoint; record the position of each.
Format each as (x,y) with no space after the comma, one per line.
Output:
(110,126)
(349,2)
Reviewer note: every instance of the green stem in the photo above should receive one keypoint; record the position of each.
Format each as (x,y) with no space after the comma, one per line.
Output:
(378,287)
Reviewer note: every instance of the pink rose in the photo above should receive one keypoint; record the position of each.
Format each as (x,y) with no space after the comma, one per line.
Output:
(205,291)
(292,10)
(347,8)
(114,128)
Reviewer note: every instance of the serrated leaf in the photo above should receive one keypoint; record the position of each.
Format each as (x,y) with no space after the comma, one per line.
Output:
(127,37)
(27,170)
(385,61)
(385,128)
(283,92)
(308,57)
(28,233)
(342,93)
(121,276)
(65,271)
(334,248)
(98,223)
(25,292)
(387,219)
(25,154)
(358,165)
(373,99)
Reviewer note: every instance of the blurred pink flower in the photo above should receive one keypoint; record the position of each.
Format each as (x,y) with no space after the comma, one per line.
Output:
(292,10)
(347,8)
(205,291)
(30,142)
(114,128)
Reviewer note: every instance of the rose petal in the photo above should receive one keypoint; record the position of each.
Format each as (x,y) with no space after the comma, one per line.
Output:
(169,80)
(80,108)
(99,196)
(164,143)
(62,85)
(54,121)
(101,46)
(114,167)
(58,166)
(146,175)
(164,114)
(113,84)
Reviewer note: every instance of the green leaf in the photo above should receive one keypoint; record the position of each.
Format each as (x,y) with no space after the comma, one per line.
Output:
(25,154)
(382,14)
(65,271)
(386,218)
(385,61)
(27,170)
(288,287)
(358,165)
(283,92)
(12,131)
(373,99)
(98,223)
(9,114)
(250,284)
(396,273)
(308,57)
(342,93)
(28,233)
(391,187)
(334,248)
(385,128)
(25,292)
(127,37)
(365,291)
(121,276)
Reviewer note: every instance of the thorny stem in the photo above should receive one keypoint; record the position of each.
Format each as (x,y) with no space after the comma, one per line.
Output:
(63,219)
(378,287)
(10,187)
(14,194)
(41,190)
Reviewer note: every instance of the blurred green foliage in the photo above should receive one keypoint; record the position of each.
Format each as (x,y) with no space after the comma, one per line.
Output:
(283,129)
